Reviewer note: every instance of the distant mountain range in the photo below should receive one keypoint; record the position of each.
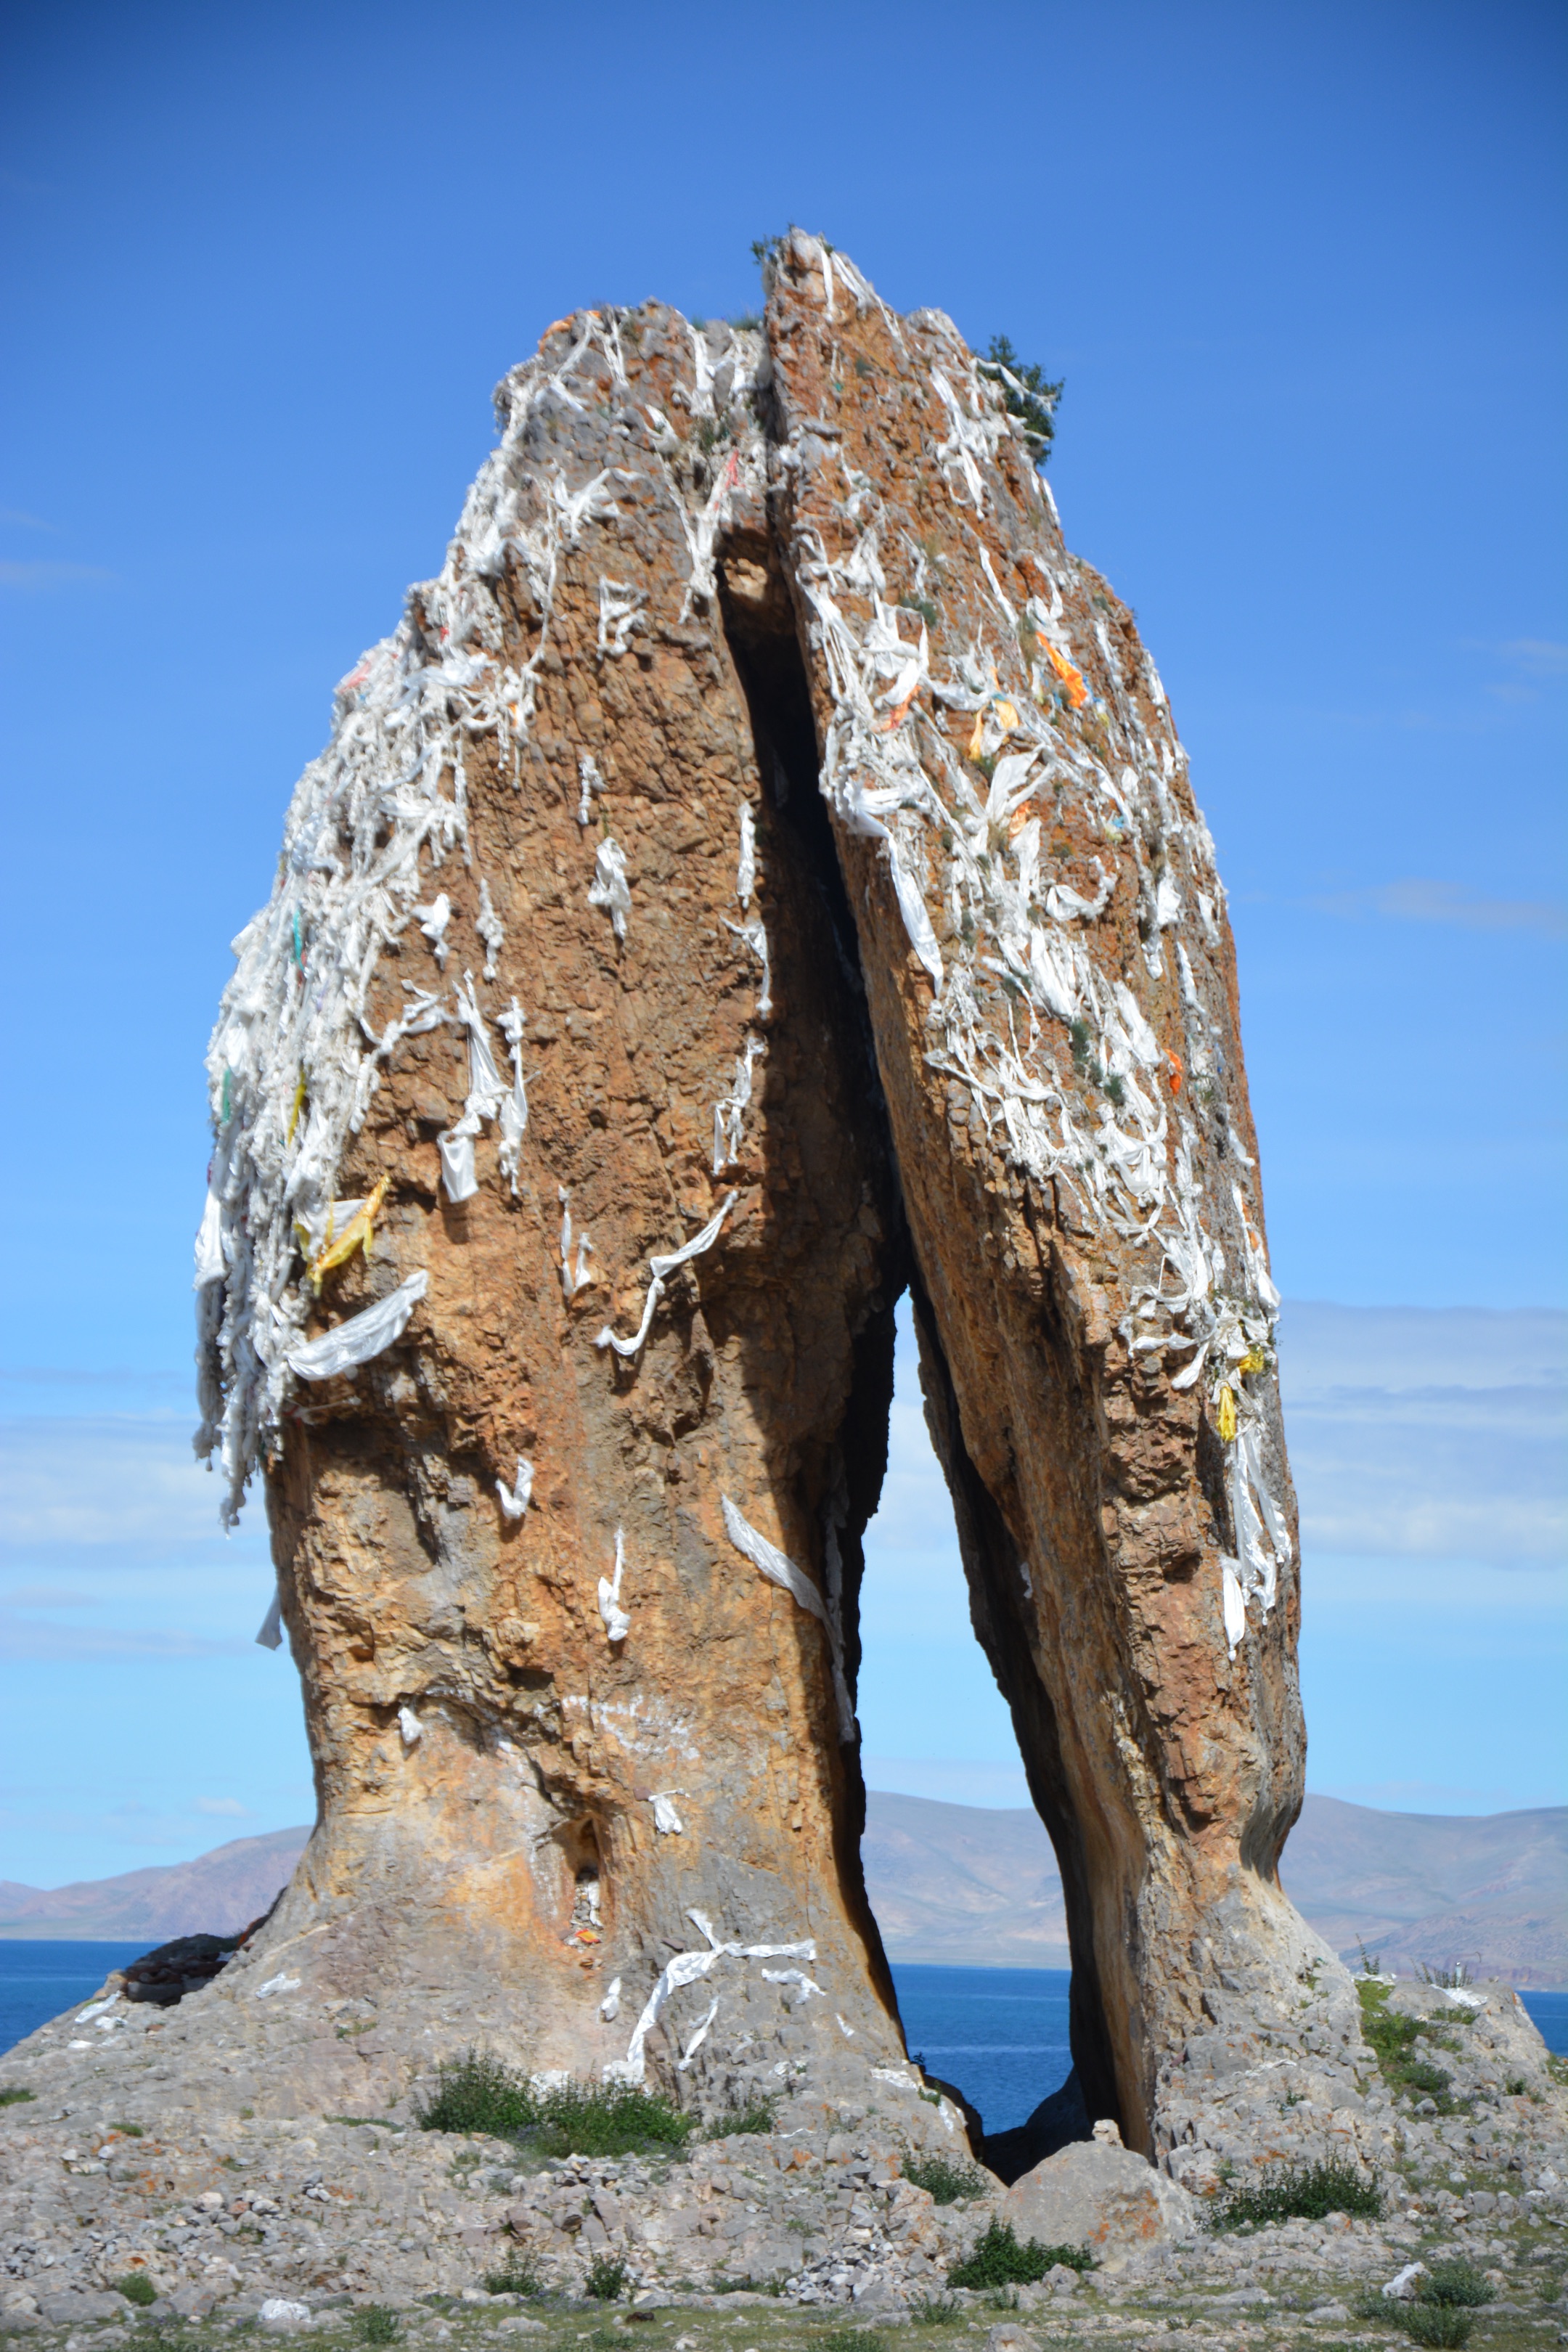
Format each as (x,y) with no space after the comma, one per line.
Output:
(217,1895)
(961,1885)
(967,1886)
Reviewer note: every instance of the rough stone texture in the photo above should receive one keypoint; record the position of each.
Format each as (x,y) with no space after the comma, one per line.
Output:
(1070,1247)
(106,2173)
(1104,2198)
(487,1756)
(765,781)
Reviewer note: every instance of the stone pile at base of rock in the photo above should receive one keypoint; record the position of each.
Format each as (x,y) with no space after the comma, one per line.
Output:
(123,2161)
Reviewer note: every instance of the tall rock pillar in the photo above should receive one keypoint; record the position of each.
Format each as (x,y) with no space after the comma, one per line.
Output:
(547,1283)
(759,872)
(1052,989)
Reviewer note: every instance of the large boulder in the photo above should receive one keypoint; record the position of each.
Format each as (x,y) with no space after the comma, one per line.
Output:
(1102,2196)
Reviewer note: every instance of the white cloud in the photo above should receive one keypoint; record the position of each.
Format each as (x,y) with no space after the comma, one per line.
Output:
(1437,1432)
(26,1638)
(106,1479)
(40,574)
(1416,900)
(229,1806)
(1537,657)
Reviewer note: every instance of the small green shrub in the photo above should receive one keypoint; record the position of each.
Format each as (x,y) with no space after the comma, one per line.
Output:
(1419,2075)
(607,2119)
(944,2181)
(1030,396)
(12,2095)
(996,2259)
(1307,2192)
(477,2093)
(1441,2326)
(758,2116)
(374,2324)
(1458,2284)
(850,2340)
(1517,2087)
(520,2276)
(1393,2037)
(604,2277)
(136,2287)
(933,2310)
(129,2131)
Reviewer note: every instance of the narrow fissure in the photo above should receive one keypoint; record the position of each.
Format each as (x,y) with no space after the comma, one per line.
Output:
(760,627)
(990,1567)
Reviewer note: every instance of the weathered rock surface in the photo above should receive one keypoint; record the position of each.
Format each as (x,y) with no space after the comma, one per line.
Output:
(106,2176)
(1101,2197)
(761,871)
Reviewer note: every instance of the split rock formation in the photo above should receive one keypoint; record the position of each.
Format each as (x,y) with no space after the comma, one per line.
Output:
(759,875)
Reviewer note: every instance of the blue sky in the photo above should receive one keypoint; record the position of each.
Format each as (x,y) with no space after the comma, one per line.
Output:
(1302,267)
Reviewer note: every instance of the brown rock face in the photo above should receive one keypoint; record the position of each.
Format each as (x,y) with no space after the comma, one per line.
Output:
(761,872)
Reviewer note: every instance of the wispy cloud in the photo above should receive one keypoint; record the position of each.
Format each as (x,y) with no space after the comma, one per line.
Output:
(1430,1433)
(37,575)
(46,1596)
(229,1807)
(17,520)
(103,1479)
(1534,660)
(1422,901)
(27,1639)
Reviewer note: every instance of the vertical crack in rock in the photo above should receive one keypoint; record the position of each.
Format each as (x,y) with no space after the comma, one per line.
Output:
(1051,988)
(759,871)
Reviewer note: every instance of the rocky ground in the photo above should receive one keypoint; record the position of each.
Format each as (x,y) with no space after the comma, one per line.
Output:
(779,2238)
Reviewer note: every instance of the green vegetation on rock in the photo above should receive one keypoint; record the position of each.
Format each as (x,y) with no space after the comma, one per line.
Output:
(996,2259)
(1393,2037)
(1307,2192)
(478,2093)
(945,2182)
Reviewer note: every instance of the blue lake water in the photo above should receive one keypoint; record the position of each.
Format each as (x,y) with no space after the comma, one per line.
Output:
(999,2034)
(37,1980)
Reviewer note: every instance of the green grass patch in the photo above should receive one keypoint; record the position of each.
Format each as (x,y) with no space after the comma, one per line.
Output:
(478,2093)
(1458,2282)
(604,2277)
(1307,2192)
(1393,2037)
(934,2310)
(375,2324)
(518,2276)
(850,2340)
(1439,2326)
(136,2287)
(945,2182)
(996,2259)
(12,2095)
(758,2116)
